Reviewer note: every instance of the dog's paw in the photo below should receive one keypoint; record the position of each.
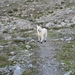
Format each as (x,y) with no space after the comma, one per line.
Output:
(41,42)
(44,40)
(38,41)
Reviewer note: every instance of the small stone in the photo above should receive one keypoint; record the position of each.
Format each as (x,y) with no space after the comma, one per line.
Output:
(1,47)
(12,53)
(11,59)
(63,24)
(28,47)
(8,4)
(30,66)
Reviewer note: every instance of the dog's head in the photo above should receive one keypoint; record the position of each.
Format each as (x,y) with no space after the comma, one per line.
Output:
(39,28)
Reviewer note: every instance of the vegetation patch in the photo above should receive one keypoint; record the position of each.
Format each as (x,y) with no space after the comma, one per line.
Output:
(73,25)
(70,4)
(5,31)
(66,55)
(34,70)
(40,14)
(30,71)
(3,42)
(4,61)
(54,34)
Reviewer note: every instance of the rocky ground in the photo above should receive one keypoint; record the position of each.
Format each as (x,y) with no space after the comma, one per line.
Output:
(20,53)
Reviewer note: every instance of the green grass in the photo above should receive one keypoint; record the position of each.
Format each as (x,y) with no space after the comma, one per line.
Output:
(72,26)
(67,55)
(4,61)
(73,73)
(40,14)
(3,42)
(54,34)
(30,72)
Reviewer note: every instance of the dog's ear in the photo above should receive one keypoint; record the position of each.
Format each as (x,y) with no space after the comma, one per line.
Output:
(40,25)
(36,25)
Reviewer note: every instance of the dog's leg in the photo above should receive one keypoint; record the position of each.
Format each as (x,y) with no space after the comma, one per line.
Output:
(42,39)
(38,38)
(45,36)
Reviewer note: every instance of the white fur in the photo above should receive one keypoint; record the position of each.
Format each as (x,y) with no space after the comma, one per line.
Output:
(42,33)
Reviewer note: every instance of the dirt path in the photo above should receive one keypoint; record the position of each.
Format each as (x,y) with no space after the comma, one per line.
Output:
(49,65)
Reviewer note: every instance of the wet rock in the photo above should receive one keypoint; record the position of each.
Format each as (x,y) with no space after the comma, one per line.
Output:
(18,38)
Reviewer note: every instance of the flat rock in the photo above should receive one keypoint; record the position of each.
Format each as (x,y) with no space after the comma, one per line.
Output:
(18,38)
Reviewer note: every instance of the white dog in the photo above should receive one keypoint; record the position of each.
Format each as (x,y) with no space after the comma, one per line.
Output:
(42,34)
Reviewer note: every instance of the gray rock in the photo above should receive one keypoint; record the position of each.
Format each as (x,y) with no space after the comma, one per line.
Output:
(18,71)
(49,25)
(18,38)
(68,11)
(12,53)
(63,24)
(31,41)
(73,19)
(7,70)
(30,66)
(69,39)
(68,73)
(12,58)
(28,47)
(1,47)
